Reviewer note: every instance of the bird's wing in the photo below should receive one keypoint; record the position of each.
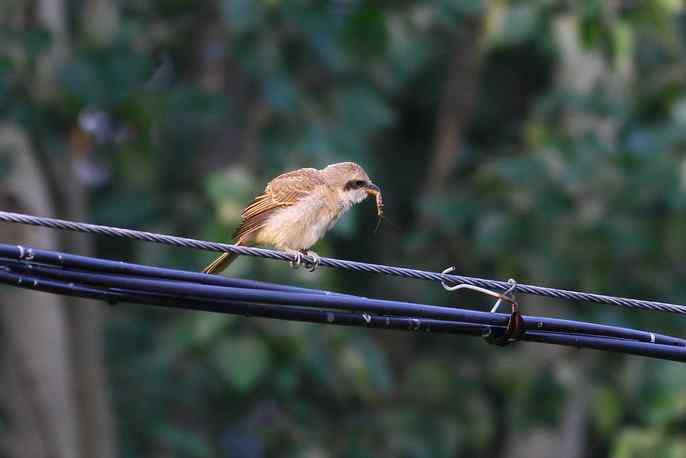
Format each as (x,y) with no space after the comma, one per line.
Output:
(283,191)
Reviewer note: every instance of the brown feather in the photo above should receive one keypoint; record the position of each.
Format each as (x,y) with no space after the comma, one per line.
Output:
(283,191)
(251,224)
(221,263)
(258,205)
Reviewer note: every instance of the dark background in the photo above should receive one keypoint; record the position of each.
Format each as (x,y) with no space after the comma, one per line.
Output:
(542,140)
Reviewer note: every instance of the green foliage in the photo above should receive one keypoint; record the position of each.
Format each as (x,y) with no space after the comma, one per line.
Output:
(366,33)
(242,361)
(573,186)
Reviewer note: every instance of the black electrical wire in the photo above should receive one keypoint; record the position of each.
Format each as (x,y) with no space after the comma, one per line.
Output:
(341,264)
(41,260)
(116,282)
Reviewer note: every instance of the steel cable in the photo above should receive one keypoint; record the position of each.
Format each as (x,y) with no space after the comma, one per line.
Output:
(341,264)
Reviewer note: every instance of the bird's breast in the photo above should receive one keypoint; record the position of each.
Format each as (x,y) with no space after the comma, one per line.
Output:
(298,226)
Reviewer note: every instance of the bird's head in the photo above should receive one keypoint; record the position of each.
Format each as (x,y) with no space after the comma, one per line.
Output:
(350,181)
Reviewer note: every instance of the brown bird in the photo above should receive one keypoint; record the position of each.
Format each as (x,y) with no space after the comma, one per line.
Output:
(297,208)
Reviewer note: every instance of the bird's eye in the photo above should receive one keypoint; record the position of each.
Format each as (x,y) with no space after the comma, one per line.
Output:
(360,183)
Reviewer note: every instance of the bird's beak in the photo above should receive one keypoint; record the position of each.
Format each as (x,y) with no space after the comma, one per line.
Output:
(372,189)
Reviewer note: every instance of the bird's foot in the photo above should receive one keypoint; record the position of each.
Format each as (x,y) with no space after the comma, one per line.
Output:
(299,261)
(298,258)
(316,259)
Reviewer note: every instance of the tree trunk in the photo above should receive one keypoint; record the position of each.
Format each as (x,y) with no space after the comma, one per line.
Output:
(575,420)
(38,372)
(86,320)
(460,92)
(51,14)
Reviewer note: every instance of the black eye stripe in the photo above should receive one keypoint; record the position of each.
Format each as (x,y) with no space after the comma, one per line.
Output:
(354,184)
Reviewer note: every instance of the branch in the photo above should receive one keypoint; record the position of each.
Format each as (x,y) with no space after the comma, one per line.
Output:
(460,92)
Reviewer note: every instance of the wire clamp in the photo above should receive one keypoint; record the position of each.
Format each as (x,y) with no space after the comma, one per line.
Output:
(515,324)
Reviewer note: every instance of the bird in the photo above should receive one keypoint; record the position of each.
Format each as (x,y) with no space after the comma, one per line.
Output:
(297,208)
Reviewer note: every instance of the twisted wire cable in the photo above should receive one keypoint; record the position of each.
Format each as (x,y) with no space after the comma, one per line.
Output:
(341,264)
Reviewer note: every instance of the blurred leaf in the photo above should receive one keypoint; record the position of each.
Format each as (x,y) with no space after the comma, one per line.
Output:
(365,32)
(6,163)
(126,207)
(36,41)
(458,9)
(621,42)
(607,409)
(521,21)
(364,366)
(184,442)
(634,443)
(431,378)
(243,361)
(231,190)
(282,94)
(362,110)
(106,77)
(207,326)
(243,16)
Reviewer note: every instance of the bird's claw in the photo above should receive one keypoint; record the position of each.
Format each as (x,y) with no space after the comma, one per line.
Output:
(312,266)
(298,260)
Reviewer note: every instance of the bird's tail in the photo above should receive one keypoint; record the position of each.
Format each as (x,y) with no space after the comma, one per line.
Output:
(221,263)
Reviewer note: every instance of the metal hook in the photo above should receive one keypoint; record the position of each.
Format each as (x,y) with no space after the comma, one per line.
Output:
(507,295)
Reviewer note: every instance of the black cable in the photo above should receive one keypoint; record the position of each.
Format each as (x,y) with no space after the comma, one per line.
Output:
(341,264)
(88,266)
(115,282)
(314,298)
